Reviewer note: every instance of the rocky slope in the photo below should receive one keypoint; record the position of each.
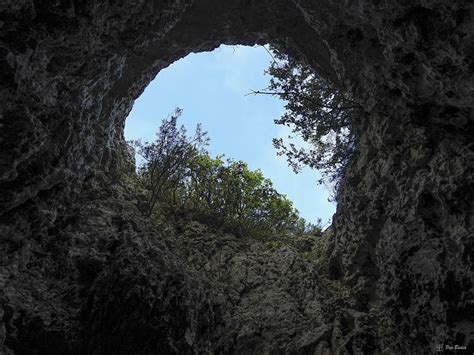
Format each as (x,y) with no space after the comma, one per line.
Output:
(82,272)
(108,281)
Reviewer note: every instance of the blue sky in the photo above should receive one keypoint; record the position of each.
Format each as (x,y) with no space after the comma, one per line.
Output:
(211,88)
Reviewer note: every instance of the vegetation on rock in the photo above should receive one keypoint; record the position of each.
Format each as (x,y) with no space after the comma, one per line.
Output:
(177,173)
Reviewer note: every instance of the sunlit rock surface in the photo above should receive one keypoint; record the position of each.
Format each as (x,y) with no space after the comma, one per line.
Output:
(82,272)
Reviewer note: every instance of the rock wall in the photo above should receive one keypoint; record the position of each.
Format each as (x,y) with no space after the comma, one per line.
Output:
(403,231)
(404,225)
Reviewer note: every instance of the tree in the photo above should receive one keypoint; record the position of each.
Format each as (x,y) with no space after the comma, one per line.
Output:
(239,198)
(317,111)
(165,160)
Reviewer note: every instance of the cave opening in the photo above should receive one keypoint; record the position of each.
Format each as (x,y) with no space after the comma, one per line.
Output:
(215,89)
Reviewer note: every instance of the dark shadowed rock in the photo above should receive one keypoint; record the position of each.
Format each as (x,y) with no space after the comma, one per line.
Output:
(82,272)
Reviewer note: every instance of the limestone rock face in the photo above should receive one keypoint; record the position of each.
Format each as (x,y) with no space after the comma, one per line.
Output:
(81,272)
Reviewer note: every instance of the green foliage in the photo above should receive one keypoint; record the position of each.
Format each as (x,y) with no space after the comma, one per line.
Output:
(166,159)
(239,198)
(311,229)
(276,244)
(316,111)
(178,173)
